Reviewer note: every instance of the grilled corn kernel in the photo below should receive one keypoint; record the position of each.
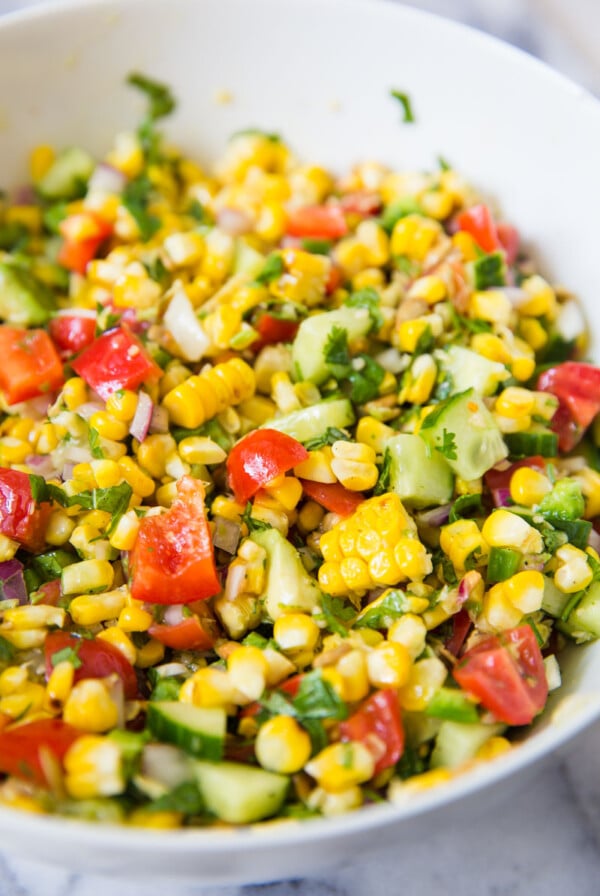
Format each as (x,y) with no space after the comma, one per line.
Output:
(286,490)
(461,540)
(108,427)
(28,701)
(430,289)
(409,631)
(505,529)
(352,668)
(60,683)
(87,577)
(74,393)
(388,665)
(90,707)
(106,473)
(209,687)
(341,766)
(426,677)
(201,450)
(499,612)
(282,746)
(296,631)
(573,573)
(134,618)
(529,486)
(533,333)
(93,768)
(152,455)
(247,669)
(116,636)
(89,609)
(142,484)
(414,236)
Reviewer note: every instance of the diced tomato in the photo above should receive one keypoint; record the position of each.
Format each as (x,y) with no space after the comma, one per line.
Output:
(30,364)
(22,747)
(506,673)
(333,496)
(21,518)
(577,387)
(191,633)
(500,479)
(116,360)
(335,279)
(322,222)
(83,234)
(461,625)
(378,725)
(509,237)
(274,329)
(72,332)
(172,561)
(98,659)
(478,221)
(258,458)
(361,202)
(49,593)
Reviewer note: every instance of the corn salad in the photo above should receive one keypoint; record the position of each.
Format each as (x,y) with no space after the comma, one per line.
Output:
(299,483)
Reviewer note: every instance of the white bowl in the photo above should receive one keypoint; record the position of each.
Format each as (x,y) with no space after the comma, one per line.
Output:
(320,71)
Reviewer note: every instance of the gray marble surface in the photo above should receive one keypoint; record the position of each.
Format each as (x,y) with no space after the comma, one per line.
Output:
(545,840)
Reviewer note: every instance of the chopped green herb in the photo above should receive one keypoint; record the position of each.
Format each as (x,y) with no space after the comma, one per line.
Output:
(405,102)
(254,525)
(331,435)
(136,198)
(94,438)
(382,614)
(157,271)
(385,474)
(185,798)
(317,247)
(161,100)
(273,268)
(7,651)
(448,446)
(336,612)
(67,655)
(464,505)
(336,351)
(370,299)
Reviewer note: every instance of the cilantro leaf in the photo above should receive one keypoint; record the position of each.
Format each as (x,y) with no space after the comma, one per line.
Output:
(448,446)
(367,298)
(197,211)
(405,102)
(161,100)
(136,199)
(94,438)
(384,612)
(366,381)
(157,271)
(317,699)
(332,434)
(336,352)
(7,651)
(68,655)
(336,612)
(385,475)
(254,525)
(272,269)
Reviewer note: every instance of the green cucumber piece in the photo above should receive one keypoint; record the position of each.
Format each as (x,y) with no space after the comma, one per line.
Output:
(468,370)
(67,175)
(308,350)
(457,743)
(310,423)
(289,587)
(24,300)
(240,794)
(502,564)
(198,731)
(452,705)
(50,565)
(478,443)
(554,600)
(577,531)
(247,260)
(538,440)
(420,477)
(488,270)
(583,623)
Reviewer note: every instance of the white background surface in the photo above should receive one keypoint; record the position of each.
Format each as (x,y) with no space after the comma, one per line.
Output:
(545,840)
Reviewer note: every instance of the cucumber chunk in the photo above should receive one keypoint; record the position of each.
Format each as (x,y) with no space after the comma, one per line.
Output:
(452,705)
(70,171)
(240,794)
(289,587)
(420,476)
(310,423)
(24,301)
(198,731)
(537,440)
(476,443)
(308,350)
(583,623)
(467,369)
(457,742)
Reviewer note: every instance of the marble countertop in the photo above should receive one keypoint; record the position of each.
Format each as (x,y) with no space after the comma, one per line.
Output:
(545,840)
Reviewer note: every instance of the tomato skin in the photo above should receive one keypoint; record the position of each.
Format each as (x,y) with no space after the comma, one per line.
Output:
(506,673)
(49,593)
(478,221)
(258,458)
(324,222)
(577,387)
(500,479)
(30,364)
(115,360)
(189,634)
(20,517)
(71,333)
(20,747)
(377,724)
(83,234)
(273,330)
(333,496)
(335,279)
(361,202)
(98,659)
(461,626)
(172,561)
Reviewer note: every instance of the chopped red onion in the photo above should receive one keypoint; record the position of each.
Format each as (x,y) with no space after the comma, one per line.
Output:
(42,464)
(501,497)
(12,581)
(160,420)
(226,535)
(142,417)
(438,516)
(106,179)
(234,221)
(594,540)
(467,585)
(90,407)
(25,195)
(67,471)
(173,615)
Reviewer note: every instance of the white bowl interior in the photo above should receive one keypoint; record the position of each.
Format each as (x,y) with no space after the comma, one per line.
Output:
(320,73)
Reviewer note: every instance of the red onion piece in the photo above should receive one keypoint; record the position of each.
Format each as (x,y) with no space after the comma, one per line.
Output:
(438,516)
(42,465)
(226,535)
(467,585)
(501,497)
(594,540)
(106,179)
(12,581)
(90,407)
(67,471)
(160,420)
(234,221)
(142,417)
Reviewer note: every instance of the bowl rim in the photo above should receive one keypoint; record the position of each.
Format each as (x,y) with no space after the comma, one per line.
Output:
(278,832)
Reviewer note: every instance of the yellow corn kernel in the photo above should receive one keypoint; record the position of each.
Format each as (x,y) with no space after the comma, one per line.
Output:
(400,791)
(90,707)
(124,536)
(134,618)
(462,539)
(59,528)
(317,467)
(491,305)
(154,455)
(426,677)
(153,818)
(296,631)
(368,277)
(257,409)
(355,574)
(40,161)
(286,490)
(541,298)
(430,289)
(122,405)
(466,245)
(332,804)
(342,765)
(108,427)
(270,224)
(135,289)
(209,687)
(150,654)
(410,332)
(201,450)
(90,545)
(13,451)
(28,701)
(410,632)
(32,616)
(330,579)
(533,333)
(93,768)
(491,347)
(525,590)
(12,680)
(74,393)
(414,236)
(87,577)
(227,508)
(89,609)
(282,746)
(106,473)
(310,517)
(388,665)
(116,636)
(529,486)
(127,155)
(305,277)
(515,402)
(48,438)
(247,670)
(573,573)
(372,432)
(499,612)
(8,548)
(492,748)
(437,203)
(504,529)
(352,668)
(184,249)
(60,683)
(202,397)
